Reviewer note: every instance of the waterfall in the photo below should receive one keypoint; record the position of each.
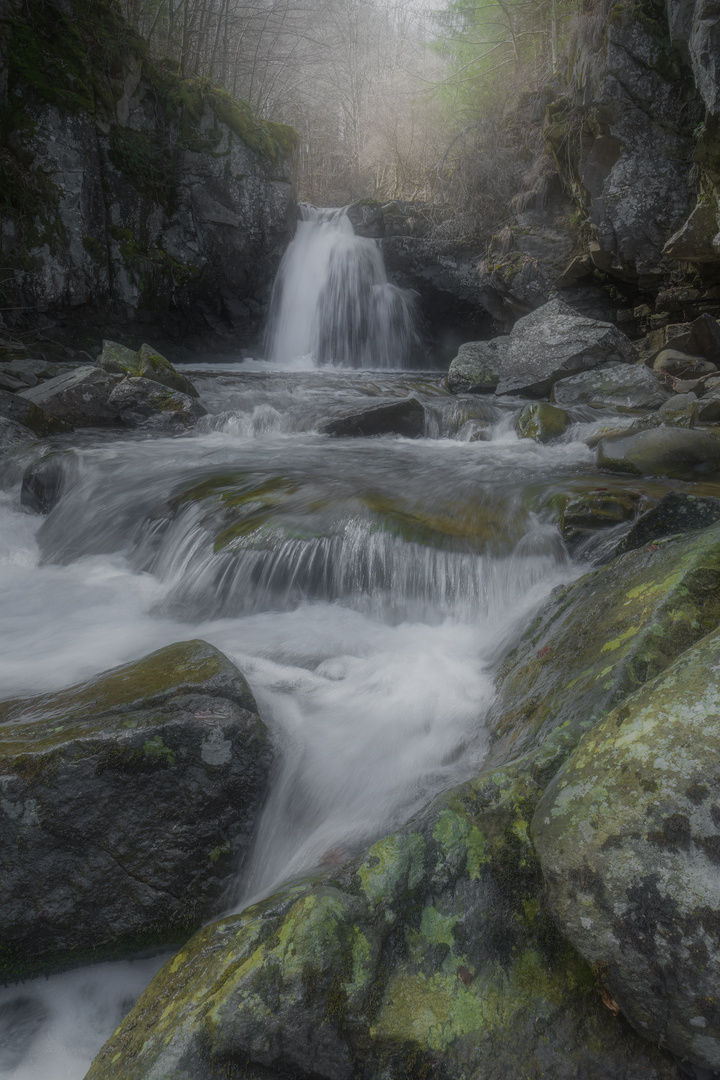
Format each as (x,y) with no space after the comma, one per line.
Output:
(332,300)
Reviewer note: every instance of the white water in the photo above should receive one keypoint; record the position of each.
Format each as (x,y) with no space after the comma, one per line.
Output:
(332,300)
(371,652)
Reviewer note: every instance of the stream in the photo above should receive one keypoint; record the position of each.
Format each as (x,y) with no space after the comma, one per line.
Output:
(368,606)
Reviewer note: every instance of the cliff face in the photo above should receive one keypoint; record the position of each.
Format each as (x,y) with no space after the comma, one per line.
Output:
(626,219)
(131,199)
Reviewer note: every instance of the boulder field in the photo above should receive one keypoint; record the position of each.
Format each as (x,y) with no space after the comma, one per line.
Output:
(500,933)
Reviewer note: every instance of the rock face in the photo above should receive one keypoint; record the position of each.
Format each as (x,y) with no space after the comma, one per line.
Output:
(622,386)
(398,418)
(158,204)
(553,342)
(661,451)
(128,803)
(628,835)
(478,366)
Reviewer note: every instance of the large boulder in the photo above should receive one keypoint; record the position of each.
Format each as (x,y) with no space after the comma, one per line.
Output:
(406,417)
(554,342)
(628,835)
(140,402)
(676,512)
(128,803)
(620,386)
(541,422)
(16,408)
(147,363)
(430,955)
(79,397)
(599,638)
(478,366)
(668,450)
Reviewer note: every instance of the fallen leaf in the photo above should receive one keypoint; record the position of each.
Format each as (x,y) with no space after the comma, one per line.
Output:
(609,1002)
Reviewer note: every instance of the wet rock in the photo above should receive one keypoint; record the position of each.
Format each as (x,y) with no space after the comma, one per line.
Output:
(20,410)
(430,955)
(144,403)
(79,397)
(675,513)
(599,509)
(599,638)
(709,406)
(405,417)
(477,367)
(622,386)
(661,451)
(680,410)
(147,363)
(128,802)
(541,422)
(554,342)
(628,835)
(13,434)
(45,481)
(681,365)
(367,218)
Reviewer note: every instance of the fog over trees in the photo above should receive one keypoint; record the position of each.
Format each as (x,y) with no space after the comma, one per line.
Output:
(391,98)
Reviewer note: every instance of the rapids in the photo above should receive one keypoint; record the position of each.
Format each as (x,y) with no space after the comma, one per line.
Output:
(368,605)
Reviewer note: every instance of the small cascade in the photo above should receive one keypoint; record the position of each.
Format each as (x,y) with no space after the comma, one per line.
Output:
(332,300)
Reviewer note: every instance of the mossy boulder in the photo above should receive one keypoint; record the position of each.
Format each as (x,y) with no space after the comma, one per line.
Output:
(432,955)
(147,363)
(668,450)
(601,637)
(78,397)
(628,835)
(541,422)
(127,804)
(478,366)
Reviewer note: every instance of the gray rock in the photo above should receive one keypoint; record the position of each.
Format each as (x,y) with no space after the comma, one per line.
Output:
(13,435)
(79,398)
(145,403)
(623,386)
(554,342)
(661,451)
(628,835)
(153,365)
(709,406)
(478,365)
(128,802)
(118,359)
(681,409)
(676,512)
(682,365)
(18,408)
(11,383)
(405,417)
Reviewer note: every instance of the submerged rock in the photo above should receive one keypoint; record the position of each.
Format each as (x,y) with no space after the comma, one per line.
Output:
(675,513)
(128,803)
(680,453)
(621,386)
(405,417)
(478,366)
(44,482)
(554,342)
(541,422)
(628,835)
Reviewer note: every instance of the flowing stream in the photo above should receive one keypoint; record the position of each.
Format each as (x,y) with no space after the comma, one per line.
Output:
(368,600)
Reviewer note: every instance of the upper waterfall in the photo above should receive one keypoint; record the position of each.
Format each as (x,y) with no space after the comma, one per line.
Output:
(332,300)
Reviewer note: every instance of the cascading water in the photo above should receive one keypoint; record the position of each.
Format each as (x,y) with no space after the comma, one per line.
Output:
(332,300)
(367,589)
